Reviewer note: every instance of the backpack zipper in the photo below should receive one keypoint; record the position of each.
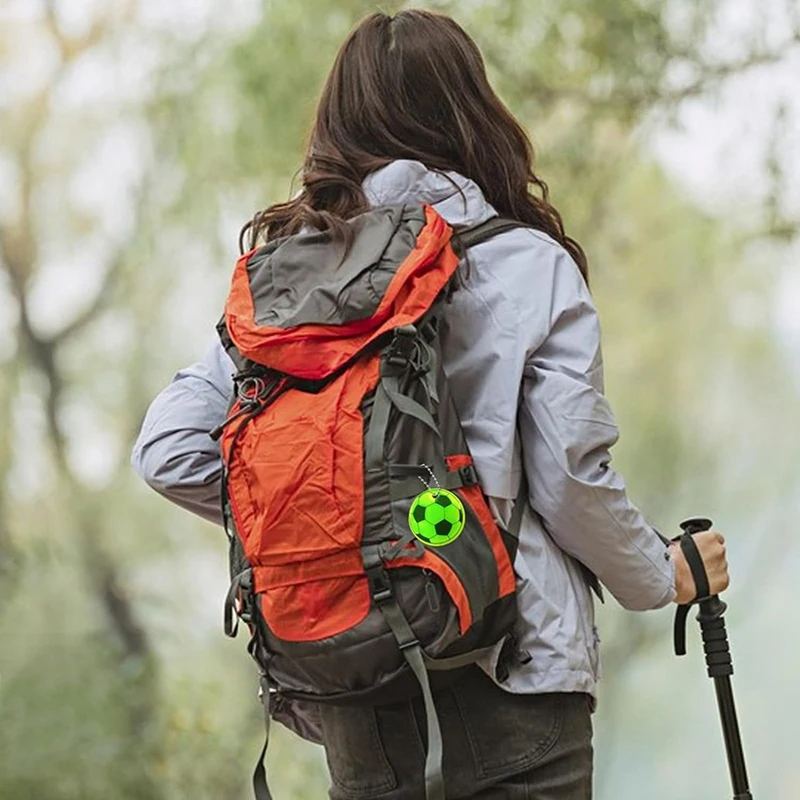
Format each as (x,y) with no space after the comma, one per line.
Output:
(430,591)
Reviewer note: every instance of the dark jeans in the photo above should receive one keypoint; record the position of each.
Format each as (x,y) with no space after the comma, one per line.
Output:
(497,746)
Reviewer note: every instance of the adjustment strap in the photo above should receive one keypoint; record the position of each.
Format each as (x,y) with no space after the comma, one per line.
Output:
(405,404)
(431,372)
(225,501)
(456,662)
(388,394)
(434,777)
(244,580)
(412,652)
(375,437)
(380,586)
(401,548)
(230,616)
(260,786)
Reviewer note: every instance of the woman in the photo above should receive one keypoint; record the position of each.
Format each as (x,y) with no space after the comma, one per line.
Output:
(408,116)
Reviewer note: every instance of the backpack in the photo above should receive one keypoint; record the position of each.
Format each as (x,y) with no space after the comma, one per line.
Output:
(363,554)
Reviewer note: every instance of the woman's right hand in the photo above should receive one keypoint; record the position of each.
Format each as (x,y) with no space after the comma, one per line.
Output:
(711,545)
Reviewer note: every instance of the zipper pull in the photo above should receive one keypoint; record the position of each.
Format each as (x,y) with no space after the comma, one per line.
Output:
(430,592)
(245,408)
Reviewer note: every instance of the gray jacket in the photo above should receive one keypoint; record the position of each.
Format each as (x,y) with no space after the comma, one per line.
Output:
(521,349)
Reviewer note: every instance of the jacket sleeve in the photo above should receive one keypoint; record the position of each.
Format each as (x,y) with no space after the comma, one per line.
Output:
(174,453)
(567,429)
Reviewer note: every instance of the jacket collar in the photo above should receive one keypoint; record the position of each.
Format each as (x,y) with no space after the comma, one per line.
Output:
(458,199)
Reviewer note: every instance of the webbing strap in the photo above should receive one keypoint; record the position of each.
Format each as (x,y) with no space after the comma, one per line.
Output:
(456,662)
(412,652)
(230,617)
(432,372)
(388,394)
(243,581)
(375,436)
(401,547)
(470,237)
(406,405)
(260,786)
(434,777)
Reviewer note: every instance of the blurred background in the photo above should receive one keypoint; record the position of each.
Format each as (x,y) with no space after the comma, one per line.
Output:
(135,138)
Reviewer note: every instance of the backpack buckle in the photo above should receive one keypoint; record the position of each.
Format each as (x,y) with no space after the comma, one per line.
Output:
(404,343)
(380,587)
(468,475)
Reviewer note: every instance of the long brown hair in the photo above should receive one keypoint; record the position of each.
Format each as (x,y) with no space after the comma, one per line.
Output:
(411,86)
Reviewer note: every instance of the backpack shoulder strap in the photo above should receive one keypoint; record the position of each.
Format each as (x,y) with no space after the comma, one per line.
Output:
(469,237)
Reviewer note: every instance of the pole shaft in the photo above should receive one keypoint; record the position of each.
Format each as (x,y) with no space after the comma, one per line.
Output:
(717,652)
(733,739)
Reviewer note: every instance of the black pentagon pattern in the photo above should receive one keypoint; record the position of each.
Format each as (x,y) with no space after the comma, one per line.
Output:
(443,528)
(443,500)
(419,513)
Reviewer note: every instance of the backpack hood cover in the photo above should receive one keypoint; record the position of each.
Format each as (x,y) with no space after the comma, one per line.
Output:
(305,306)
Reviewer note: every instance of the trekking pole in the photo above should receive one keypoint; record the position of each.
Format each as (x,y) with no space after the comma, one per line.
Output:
(717,652)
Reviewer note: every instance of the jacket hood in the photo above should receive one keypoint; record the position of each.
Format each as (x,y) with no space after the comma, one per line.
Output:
(458,199)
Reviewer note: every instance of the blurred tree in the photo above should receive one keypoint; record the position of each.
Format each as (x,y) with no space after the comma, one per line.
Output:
(66,511)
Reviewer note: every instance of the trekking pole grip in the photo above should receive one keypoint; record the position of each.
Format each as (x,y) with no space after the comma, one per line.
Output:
(711,617)
(712,608)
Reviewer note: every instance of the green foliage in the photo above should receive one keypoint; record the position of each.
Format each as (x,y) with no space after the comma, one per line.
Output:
(67,708)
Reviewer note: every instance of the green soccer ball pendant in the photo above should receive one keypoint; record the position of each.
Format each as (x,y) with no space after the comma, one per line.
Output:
(437,517)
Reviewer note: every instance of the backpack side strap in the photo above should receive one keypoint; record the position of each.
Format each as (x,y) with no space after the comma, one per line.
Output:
(383,596)
(260,785)
(469,237)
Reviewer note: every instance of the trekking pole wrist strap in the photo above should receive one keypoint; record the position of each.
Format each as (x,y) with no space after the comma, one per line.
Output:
(696,566)
(699,574)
